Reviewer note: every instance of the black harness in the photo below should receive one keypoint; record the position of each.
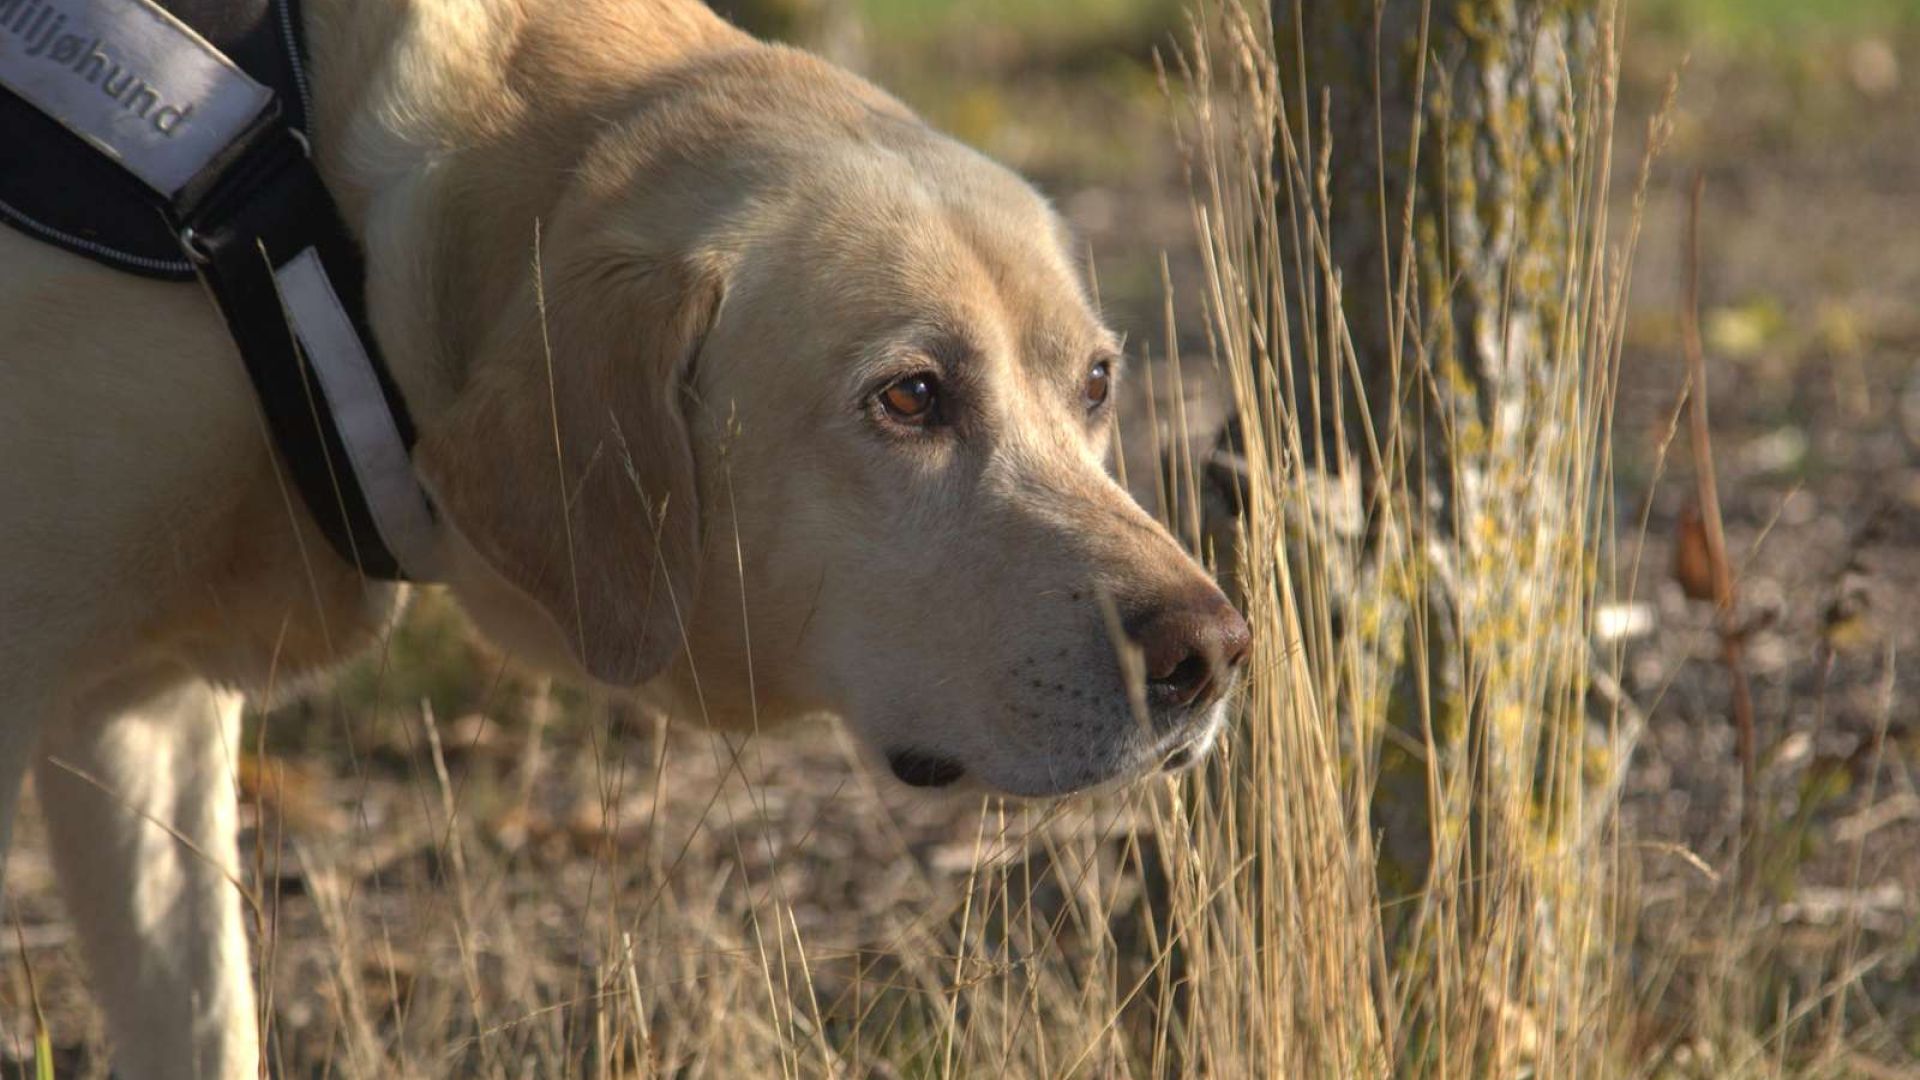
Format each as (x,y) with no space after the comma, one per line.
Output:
(254,224)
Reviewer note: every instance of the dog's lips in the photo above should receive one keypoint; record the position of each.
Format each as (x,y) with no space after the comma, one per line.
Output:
(1190,745)
(919,769)
(1181,758)
(1097,766)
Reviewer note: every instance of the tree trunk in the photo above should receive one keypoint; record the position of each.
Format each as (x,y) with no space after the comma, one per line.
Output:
(1436,200)
(1436,145)
(1444,129)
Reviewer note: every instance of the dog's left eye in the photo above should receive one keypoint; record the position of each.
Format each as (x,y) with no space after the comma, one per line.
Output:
(1099,384)
(911,400)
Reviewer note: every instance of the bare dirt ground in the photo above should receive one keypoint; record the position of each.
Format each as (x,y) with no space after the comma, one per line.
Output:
(601,822)
(1810,265)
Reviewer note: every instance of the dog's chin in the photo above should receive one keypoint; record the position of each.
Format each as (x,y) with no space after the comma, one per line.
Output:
(1070,773)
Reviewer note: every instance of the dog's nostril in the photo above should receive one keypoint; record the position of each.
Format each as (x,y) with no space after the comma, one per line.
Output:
(1186,680)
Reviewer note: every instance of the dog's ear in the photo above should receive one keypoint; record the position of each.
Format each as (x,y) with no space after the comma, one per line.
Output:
(567,461)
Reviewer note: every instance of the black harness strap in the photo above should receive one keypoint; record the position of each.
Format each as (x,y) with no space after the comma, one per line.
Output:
(267,208)
(253,210)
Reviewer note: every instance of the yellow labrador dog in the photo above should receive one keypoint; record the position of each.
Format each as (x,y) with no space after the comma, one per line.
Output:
(816,419)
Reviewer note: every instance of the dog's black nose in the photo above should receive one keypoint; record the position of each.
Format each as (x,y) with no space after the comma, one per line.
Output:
(1192,647)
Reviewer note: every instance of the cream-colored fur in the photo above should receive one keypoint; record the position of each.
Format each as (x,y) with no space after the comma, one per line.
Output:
(680,481)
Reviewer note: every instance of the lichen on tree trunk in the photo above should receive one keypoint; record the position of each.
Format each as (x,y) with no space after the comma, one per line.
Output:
(1435,188)
(1442,134)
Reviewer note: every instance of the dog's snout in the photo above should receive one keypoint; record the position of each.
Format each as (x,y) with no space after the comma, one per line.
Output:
(1191,647)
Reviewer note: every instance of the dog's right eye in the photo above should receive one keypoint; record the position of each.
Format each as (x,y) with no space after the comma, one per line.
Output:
(911,399)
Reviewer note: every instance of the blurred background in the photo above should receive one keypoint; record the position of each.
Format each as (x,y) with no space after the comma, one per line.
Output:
(1804,120)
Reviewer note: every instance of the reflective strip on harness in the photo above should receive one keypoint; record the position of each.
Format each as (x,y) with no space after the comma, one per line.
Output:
(131,80)
(374,448)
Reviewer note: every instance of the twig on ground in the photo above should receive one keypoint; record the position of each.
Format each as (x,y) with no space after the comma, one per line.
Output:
(1725,597)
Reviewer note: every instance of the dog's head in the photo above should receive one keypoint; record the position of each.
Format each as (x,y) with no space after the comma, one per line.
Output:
(817,419)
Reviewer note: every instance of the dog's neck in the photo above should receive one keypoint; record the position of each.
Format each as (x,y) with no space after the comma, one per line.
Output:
(448,129)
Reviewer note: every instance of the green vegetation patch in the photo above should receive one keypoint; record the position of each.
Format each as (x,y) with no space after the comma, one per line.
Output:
(1771,20)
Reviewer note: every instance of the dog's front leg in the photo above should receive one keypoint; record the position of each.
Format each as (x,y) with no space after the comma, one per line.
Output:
(141,808)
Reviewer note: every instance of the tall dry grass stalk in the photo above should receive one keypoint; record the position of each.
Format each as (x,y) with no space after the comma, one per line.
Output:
(1500,959)
(1233,923)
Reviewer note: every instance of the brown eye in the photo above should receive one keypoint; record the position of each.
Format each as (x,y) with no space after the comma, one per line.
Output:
(1099,384)
(910,400)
